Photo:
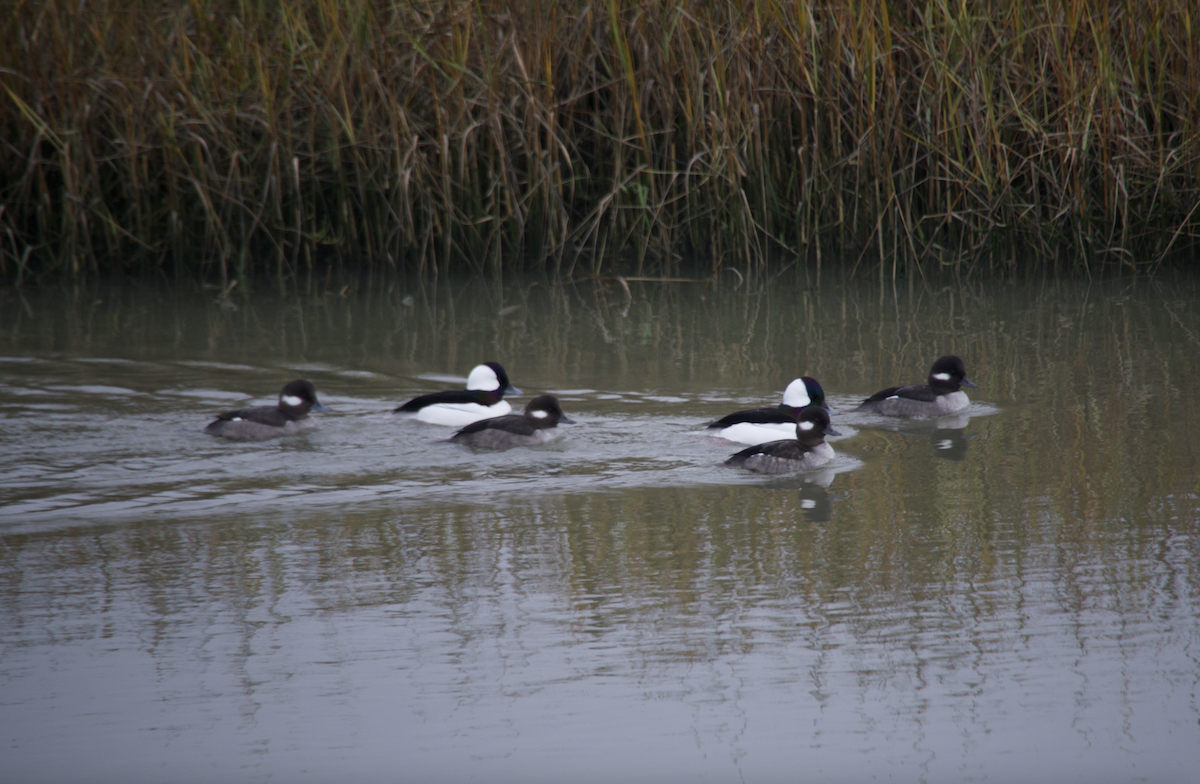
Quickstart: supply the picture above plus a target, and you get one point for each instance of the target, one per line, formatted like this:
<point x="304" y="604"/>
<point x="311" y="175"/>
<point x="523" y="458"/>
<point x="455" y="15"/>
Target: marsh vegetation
<point x="226" y="137"/>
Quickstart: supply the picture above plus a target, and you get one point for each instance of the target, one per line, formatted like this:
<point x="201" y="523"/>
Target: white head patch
<point x="805" y="425"/>
<point x="539" y="414"/>
<point x="796" y="394"/>
<point x="483" y="378"/>
<point x="292" y="400"/>
<point x="942" y="376"/>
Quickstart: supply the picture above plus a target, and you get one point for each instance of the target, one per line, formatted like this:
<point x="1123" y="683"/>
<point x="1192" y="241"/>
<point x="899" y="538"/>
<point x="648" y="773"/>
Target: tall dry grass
<point x="224" y="137"/>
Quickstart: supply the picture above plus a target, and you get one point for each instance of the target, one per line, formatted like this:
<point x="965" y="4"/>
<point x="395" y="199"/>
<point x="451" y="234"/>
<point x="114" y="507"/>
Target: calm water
<point x="1012" y="595"/>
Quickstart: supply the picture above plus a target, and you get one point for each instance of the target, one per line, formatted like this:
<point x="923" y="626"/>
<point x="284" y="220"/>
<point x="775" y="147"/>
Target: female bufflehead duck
<point x="943" y="395"/>
<point x="807" y="450"/>
<point x="761" y="425"/>
<point x="262" y="422"/>
<point x="538" y="425"/>
<point x="483" y="398"/>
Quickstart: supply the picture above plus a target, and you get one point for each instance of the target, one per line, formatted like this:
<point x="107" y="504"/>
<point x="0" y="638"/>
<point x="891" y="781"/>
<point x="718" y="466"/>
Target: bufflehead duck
<point x="943" y="395"/>
<point x="259" y="423"/>
<point x="761" y="425"/>
<point x="807" y="450"/>
<point x="482" y="399"/>
<point x="538" y="425"/>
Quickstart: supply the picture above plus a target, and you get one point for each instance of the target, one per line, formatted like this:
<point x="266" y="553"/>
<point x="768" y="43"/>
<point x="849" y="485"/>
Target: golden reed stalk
<point x="235" y="136"/>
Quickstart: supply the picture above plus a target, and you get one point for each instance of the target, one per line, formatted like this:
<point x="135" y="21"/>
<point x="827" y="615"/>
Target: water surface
<point x="1008" y="595"/>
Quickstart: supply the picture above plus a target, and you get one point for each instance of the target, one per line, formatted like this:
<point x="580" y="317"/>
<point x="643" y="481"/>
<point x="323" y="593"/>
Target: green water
<point x="1007" y="595"/>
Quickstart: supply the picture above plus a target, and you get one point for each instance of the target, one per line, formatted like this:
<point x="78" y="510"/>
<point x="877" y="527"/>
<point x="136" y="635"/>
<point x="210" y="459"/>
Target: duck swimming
<point x="942" y="395"/>
<point x="259" y="423"/>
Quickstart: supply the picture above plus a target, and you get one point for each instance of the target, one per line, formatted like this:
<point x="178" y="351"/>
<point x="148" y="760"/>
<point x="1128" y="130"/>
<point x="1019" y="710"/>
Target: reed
<point x="220" y="138"/>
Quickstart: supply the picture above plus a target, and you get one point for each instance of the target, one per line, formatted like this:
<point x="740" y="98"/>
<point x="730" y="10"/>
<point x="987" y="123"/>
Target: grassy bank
<point x="229" y="137"/>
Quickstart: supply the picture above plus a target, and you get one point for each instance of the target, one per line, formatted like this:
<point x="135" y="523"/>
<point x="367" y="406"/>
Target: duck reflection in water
<point x="949" y="437"/>
<point x="816" y="505"/>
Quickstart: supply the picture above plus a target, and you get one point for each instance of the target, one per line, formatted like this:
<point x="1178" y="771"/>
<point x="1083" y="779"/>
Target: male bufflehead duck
<point x="538" y="425"/>
<point x="761" y="425"/>
<point x="807" y="450"/>
<point x="482" y="399"/>
<point x="943" y="395"/>
<point x="259" y="423"/>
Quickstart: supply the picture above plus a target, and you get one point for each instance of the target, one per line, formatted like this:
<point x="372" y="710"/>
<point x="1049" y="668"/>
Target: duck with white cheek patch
<point x="538" y="425"/>
<point x="942" y="395"/>
<point x="260" y="423"/>
<point x="807" y="450"/>
<point x="761" y="425"/>
<point x="482" y="399"/>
